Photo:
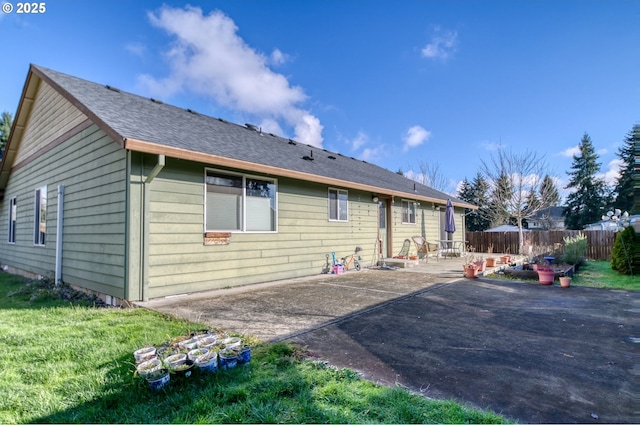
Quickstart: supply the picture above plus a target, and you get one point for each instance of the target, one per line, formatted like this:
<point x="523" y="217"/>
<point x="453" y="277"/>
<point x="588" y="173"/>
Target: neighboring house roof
<point x="610" y="225"/>
<point x="505" y="228"/>
<point x="142" y="124"/>
<point x="553" y="213"/>
<point x="601" y="225"/>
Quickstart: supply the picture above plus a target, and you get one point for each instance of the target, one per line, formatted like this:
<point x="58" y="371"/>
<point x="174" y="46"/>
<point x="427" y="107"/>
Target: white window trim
<point x="244" y="203"/>
<point x="415" y="211"/>
<point x="338" y="191"/>
<point x="11" y="227"/>
<point x="37" y="207"/>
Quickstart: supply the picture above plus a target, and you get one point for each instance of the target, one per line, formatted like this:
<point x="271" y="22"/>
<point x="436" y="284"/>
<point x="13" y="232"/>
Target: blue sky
<point x="397" y="83"/>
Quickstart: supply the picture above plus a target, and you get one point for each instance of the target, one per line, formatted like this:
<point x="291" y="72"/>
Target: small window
<point x="408" y="212"/>
<point x="13" y="215"/>
<point x="239" y="203"/>
<point x="40" y="222"/>
<point x="338" y="205"/>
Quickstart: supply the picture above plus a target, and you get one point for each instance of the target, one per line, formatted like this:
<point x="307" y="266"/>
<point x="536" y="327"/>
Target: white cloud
<point x="416" y="136"/>
<point x="570" y="152"/>
<point x="136" y="48"/>
<point x="269" y="125"/>
<point x="613" y="173"/>
<point x="442" y="45"/>
<point x="491" y="146"/>
<point x="360" y="140"/>
<point x="209" y="58"/>
<point x="371" y="154"/>
<point x="278" y="57"/>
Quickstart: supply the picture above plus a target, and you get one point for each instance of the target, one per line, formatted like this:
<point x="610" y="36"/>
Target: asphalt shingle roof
<point x="135" y="117"/>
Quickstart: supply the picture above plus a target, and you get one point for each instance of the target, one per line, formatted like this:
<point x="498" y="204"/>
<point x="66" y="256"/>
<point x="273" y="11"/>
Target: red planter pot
<point x="546" y="276"/>
<point x="471" y="271"/>
<point x="482" y="265"/>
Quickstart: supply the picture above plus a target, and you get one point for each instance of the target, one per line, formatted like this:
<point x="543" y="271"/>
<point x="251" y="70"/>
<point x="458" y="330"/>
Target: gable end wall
<point x="77" y="154"/>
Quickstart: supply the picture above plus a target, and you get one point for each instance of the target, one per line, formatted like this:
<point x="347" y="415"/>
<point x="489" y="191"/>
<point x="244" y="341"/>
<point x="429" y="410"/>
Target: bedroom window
<point x="40" y="222"/>
<point x="338" y="205"/>
<point x="13" y="215"/>
<point x="408" y="212"/>
<point x="239" y="203"/>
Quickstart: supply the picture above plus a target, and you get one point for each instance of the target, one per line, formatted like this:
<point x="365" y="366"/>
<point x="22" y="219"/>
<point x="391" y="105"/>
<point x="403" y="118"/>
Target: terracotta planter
<point x="470" y="270"/>
<point x="491" y="262"/>
<point x="565" y="281"/>
<point x="482" y="265"/>
<point x="505" y="259"/>
<point x="546" y="275"/>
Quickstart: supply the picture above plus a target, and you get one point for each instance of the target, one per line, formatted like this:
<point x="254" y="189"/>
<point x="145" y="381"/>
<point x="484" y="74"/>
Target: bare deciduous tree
<point x="516" y="179"/>
<point x="431" y="175"/>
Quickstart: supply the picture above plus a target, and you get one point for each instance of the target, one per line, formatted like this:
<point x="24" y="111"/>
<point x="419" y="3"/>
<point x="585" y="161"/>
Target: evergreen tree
<point x="588" y="197"/>
<point x="5" y="129"/>
<point x="476" y="193"/>
<point x="549" y="191"/>
<point x="624" y="190"/>
<point x="501" y="197"/>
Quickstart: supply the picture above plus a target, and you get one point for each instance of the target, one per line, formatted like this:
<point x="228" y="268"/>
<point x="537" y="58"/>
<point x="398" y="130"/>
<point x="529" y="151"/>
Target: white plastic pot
<point x="144" y="354"/>
<point x="148" y="366"/>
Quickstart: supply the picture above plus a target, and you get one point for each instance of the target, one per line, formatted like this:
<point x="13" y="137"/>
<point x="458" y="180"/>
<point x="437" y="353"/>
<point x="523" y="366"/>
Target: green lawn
<point x="73" y="363"/>
<point x="598" y="274"/>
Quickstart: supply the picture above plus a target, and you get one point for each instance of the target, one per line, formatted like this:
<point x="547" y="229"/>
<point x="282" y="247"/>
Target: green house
<point x="132" y="198"/>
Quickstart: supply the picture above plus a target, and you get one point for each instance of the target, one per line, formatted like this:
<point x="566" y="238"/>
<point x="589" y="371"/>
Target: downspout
<point x="58" y="272"/>
<point x="159" y="166"/>
<point x="145" y="244"/>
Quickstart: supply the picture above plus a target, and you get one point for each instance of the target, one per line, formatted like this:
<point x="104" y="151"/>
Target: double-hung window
<point x="13" y="217"/>
<point x="40" y="222"/>
<point x="408" y="212"/>
<point x="239" y="203"/>
<point x="338" y="205"/>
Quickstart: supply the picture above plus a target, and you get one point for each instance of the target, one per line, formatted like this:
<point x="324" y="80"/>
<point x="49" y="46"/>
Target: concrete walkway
<point x="533" y="353"/>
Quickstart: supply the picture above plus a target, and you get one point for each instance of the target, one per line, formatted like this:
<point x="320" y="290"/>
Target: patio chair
<point x="425" y="248"/>
<point x="404" y="251"/>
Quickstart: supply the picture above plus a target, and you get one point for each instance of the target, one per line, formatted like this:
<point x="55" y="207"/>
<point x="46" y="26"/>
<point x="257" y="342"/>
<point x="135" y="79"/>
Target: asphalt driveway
<point x="536" y="354"/>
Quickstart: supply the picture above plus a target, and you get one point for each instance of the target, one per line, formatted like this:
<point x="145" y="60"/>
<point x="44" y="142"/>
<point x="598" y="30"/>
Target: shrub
<point x="575" y="248"/>
<point x="623" y="254"/>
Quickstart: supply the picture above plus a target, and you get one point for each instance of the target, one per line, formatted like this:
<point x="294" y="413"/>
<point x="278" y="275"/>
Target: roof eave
<point x="156" y="149"/>
<point x="17" y="128"/>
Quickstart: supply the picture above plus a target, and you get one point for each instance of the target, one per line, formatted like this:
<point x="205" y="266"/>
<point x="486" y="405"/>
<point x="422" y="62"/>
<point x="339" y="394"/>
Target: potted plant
<point x="470" y="268"/>
<point x="158" y="378"/>
<point x="491" y="261"/>
<point x="228" y="358"/>
<point x="244" y="356"/>
<point x="481" y="263"/>
<point x="565" y="281"/>
<point x="546" y="275"/>
<point x="208" y="362"/>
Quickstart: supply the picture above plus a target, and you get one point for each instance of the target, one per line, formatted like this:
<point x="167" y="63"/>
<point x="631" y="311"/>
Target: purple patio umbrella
<point x="449" y="220"/>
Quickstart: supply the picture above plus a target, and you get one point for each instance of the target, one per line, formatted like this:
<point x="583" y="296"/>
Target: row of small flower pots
<point x="204" y="352"/>
<point x="546" y="275"/>
<point x="471" y="270"/>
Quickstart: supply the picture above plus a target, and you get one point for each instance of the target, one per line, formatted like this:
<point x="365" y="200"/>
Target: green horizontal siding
<point x="91" y="166"/>
<point x="179" y="262"/>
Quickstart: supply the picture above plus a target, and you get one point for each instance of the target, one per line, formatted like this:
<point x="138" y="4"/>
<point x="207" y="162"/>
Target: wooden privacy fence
<point x="600" y="242"/>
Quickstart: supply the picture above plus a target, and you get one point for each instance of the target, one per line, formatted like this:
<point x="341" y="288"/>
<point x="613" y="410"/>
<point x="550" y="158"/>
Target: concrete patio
<point x="534" y="353"/>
